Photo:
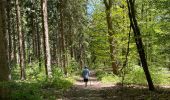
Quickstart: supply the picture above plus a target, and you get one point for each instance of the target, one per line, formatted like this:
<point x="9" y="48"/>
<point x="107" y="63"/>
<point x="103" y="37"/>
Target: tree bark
<point x="8" y="10"/>
<point x="4" y="68"/>
<point x="47" y="55"/>
<point x="62" y="38"/>
<point x="21" y="41"/>
<point x="33" y="30"/>
<point x="108" y="5"/>
<point x="38" y="43"/>
<point x="139" y="42"/>
<point x="14" y="60"/>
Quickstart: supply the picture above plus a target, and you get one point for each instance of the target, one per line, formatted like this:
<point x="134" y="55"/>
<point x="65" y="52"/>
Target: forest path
<point x="97" y="90"/>
<point x="93" y="83"/>
<point x="93" y="91"/>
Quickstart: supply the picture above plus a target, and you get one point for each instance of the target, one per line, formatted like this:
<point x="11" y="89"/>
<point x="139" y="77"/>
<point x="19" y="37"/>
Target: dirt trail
<point x="92" y="92"/>
<point x="99" y="91"/>
<point x="92" y="84"/>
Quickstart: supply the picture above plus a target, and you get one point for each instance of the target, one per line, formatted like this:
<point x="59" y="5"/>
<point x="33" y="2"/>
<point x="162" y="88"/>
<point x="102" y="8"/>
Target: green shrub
<point x="73" y="67"/>
<point x="100" y="74"/>
<point x="57" y="83"/>
<point x="160" y="76"/>
<point x="110" y="79"/>
<point x="135" y="76"/>
<point x="36" y="86"/>
<point x="107" y="77"/>
<point x="22" y="90"/>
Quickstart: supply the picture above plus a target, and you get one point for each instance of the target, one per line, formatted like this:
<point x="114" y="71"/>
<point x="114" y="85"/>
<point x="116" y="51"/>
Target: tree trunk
<point x="4" y="68"/>
<point x="108" y="5"/>
<point x="14" y="60"/>
<point x="38" y="42"/>
<point x="139" y="43"/>
<point x="33" y="30"/>
<point x="8" y="9"/>
<point x="47" y="56"/>
<point x="62" y="38"/>
<point x="57" y="48"/>
<point x="21" y="42"/>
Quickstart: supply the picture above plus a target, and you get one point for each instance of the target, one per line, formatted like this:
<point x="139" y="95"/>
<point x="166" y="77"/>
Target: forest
<point x="45" y="45"/>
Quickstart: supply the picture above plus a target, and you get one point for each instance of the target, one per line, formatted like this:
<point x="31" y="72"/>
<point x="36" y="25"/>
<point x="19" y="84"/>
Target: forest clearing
<point x="84" y="50"/>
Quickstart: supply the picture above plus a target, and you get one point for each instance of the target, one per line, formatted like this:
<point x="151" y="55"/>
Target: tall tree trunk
<point x="108" y="5"/>
<point x="62" y="37"/>
<point x="58" y="48"/>
<point x="47" y="55"/>
<point x="4" y="68"/>
<point x="139" y="42"/>
<point x="14" y="38"/>
<point x="70" y="37"/>
<point x="33" y="30"/>
<point x="21" y="42"/>
<point x="38" y="42"/>
<point x="8" y="9"/>
<point x="53" y="52"/>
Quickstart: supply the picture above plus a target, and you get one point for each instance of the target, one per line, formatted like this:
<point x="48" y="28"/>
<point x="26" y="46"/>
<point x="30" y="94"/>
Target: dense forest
<point x="45" y="45"/>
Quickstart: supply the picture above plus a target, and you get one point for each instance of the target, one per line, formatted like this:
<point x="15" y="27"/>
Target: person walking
<point x="85" y="74"/>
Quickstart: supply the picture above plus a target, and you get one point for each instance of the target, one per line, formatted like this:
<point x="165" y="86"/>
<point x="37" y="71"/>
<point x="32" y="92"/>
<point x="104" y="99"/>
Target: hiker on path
<point x="85" y="74"/>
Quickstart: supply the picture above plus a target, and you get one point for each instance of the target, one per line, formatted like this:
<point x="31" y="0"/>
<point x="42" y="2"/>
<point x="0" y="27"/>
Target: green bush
<point x="36" y="86"/>
<point x="57" y="83"/>
<point x="136" y="75"/>
<point x="100" y="74"/>
<point x="160" y="76"/>
<point x="107" y="77"/>
<point x="22" y="90"/>
<point x="73" y="67"/>
<point x="110" y="79"/>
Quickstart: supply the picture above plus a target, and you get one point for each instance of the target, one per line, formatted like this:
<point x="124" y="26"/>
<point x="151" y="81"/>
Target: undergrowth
<point x="136" y="76"/>
<point x="36" y="86"/>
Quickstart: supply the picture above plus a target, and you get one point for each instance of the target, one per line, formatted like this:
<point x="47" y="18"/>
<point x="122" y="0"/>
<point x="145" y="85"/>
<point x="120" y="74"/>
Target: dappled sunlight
<point x="84" y="50"/>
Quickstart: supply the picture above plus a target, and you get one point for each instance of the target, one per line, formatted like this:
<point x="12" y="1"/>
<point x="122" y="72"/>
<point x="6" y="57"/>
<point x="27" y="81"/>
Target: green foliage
<point x="110" y="79"/>
<point x="73" y="66"/>
<point x="100" y="74"/>
<point x="57" y="83"/>
<point x="37" y="86"/>
<point x="92" y="40"/>
<point x="135" y="75"/>
<point x="35" y="90"/>
<point x="107" y="77"/>
<point x="22" y="90"/>
<point x="160" y="76"/>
